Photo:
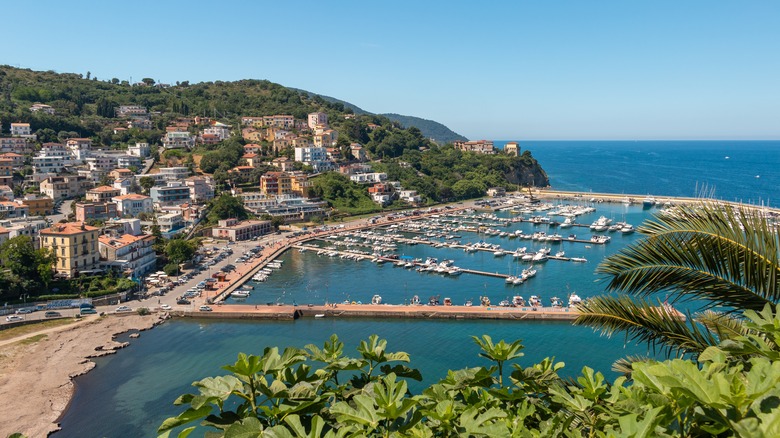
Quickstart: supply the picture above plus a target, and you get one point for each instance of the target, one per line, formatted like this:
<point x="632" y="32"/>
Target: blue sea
<point x="136" y="387"/>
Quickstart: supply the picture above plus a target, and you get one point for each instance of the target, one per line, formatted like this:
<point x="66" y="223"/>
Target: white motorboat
<point x="376" y="299"/>
<point x="578" y="259"/>
<point x="240" y="294"/>
<point x="627" y="229"/>
<point x="574" y="300"/>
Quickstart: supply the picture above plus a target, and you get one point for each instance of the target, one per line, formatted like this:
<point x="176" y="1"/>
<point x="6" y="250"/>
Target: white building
<point x="369" y="178"/>
<point x="128" y="254"/>
<point x="315" y="157"/>
<point x="132" y="204"/>
<point x="126" y="161"/>
<point x="21" y="130"/>
<point x="140" y="150"/>
<point x="178" y="140"/>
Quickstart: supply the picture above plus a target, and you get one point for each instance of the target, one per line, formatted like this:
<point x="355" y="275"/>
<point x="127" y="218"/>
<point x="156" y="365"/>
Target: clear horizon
<point x="611" y="70"/>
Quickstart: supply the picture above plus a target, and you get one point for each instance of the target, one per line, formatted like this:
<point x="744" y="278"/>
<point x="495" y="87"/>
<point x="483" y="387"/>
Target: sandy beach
<point x="36" y="377"/>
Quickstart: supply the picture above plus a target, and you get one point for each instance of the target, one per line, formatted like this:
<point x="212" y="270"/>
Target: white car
<point x="166" y="307"/>
<point x="13" y="318"/>
<point x="121" y="309"/>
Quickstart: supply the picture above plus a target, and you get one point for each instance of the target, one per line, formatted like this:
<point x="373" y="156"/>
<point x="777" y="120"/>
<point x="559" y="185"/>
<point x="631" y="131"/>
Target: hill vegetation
<point x="429" y="128"/>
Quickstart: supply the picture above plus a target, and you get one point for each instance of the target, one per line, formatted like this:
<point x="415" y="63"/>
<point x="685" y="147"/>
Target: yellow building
<point x="38" y="205"/>
<point x="75" y="245"/>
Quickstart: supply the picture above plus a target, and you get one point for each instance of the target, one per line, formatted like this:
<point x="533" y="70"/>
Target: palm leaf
<point x="725" y="256"/>
<point x="625" y="365"/>
<point x="644" y="322"/>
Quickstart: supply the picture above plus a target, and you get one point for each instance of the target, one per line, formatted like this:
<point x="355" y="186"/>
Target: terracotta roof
<point x="68" y="228"/>
<point x="123" y="240"/>
<point x="135" y="196"/>
<point x="104" y="189"/>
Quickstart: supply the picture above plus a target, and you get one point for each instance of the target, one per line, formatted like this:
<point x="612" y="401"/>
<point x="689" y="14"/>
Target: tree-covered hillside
<point x="430" y="129"/>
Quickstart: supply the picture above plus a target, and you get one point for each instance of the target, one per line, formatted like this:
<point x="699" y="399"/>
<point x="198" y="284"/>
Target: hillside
<point x="430" y="129"/>
<point x="440" y="133"/>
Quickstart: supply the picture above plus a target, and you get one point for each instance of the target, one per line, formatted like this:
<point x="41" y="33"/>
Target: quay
<point x="291" y="313"/>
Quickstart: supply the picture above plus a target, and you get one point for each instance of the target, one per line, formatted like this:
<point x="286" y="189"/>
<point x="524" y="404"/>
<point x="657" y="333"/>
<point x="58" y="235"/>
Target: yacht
<point x="376" y="299"/>
<point x="627" y="229"/>
<point x="240" y="294"/>
<point x="518" y="301"/>
<point x="574" y="300"/>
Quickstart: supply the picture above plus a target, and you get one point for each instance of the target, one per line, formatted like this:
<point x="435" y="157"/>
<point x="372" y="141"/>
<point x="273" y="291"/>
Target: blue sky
<point x="497" y="70"/>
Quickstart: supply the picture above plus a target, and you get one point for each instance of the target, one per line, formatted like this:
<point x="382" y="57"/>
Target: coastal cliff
<point x="528" y="172"/>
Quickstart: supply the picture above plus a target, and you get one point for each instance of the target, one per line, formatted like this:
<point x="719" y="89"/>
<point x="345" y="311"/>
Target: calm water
<point x="136" y="387"/>
<point x="671" y="168"/>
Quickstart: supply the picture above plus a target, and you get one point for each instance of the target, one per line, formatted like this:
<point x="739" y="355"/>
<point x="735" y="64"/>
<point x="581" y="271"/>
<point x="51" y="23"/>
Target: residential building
<point x="121" y="173"/>
<point x="6" y="193"/>
<point x="201" y="189"/>
<point x="284" y="183"/>
<point x="5" y="234"/>
<point x="279" y="121"/>
<point x="21" y="130"/>
<point x="170" y="223"/>
<point x="129" y="226"/>
<point x="124" y="184"/>
<point x="139" y="123"/>
<point x="290" y="207"/>
<point x="317" y="119"/>
<point x="14" y="144"/>
<point x="178" y="140"/>
<point x="102" y="194"/>
<point x="127" y="161"/>
<point x="252" y="121"/>
<point x="131" y="255"/>
<point x="512" y="148"/>
<point x="316" y="157"/>
<point x="496" y="191"/>
<point x="75" y="245"/>
<point x="280" y="144"/>
<point x="220" y="132"/>
<point x="302" y="142"/>
<point x="132" y="204"/>
<point x="38" y="205"/>
<point x="41" y="107"/>
<point x="101" y="163"/>
<point x="253" y="148"/>
<point x="66" y="186"/>
<point x="409" y="196"/>
<point x="17" y="160"/>
<point x="233" y="230"/>
<point x="252" y="134"/>
<point x="6" y="172"/>
<point x="140" y="150"/>
<point x="358" y="152"/>
<point x="50" y="164"/>
<point x="79" y="147"/>
<point x="101" y="211"/>
<point x="174" y="193"/>
<point x="284" y="164"/>
<point x="477" y="146"/>
<point x="174" y="173"/>
<point x="12" y="210"/>
<point x="326" y="138"/>
<point x="369" y="178"/>
<point x="24" y="227"/>
<point x="241" y="171"/>
<point x="251" y="159"/>
<point x="380" y="193"/>
<point x="130" y="110"/>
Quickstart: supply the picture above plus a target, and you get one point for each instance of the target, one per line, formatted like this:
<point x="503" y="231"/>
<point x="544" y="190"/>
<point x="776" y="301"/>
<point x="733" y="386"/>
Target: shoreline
<point x="49" y="390"/>
<point x="37" y="378"/>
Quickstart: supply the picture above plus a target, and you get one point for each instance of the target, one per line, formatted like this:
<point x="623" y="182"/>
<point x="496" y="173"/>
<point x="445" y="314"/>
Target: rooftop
<point x="68" y="228"/>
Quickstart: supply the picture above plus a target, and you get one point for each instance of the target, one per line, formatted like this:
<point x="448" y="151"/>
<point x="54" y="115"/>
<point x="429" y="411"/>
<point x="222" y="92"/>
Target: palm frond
<point x="724" y="326"/>
<point x="641" y="321"/>
<point x="625" y="365"/>
<point x="713" y="252"/>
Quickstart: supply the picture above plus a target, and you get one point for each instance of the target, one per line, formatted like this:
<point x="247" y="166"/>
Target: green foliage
<point x="180" y="250"/>
<point x="226" y="206"/>
<point x="26" y="270"/>
<point x="343" y="194"/>
<point x="143" y="311"/>
<point x="146" y="183"/>
<point x="733" y="390"/>
<point x="428" y="128"/>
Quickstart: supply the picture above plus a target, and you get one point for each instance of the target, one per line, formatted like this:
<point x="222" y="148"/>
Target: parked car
<point x="24" y="311"/>
<point x="121" y="309"/>
<point x="14" y="318"/>
<point x="166" y="307"/>
<point x="88" y="311"/>
<point x="52" y="314"/>
<point x="182" y="301"/>
<point x="204" y="309"/>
